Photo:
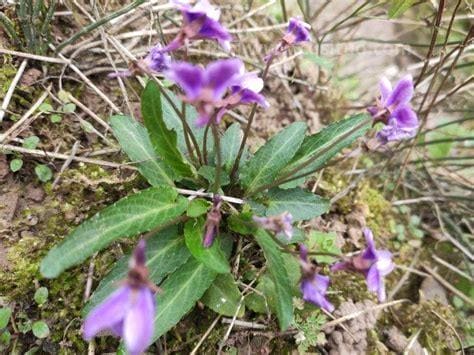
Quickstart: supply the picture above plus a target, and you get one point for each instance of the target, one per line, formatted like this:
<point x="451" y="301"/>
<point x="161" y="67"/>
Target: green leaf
<point x="223" y="296"/>
<point x="230" y="143"/>
<point x="181" y="290"/>
<point x="5" y="314"/>
<point x="55" y="118"/>
<point x="40" y="329"/>
<point x="209" y="173"/>
<point x="41" y="295"/>
<point x="242" y="223"/>
<point x="69" y="107"/>
<point x="443" y="149"/>
<point x="323" y="242"/>
<point x="5" y="338"/>
<point x="279" y="276"/>
<point x="213" y="257"/>
<point x="43" y="172"/>
<point x="322" y="146"/>
<point x="173" y="121"/>
<point x="197" y="207"/>
<point x="164" y="140"/>
<point x="45" y="107"/>
<point x="135" y="142"/>
<point x="31" y="142"/>
<point x="300" y="203"/>
<point x="319" y="61"/>
<point x="268" y="161"/>
<point x="16" y="165"/>
<point x="131" y="215"/>
<point x="165" y="252"/>
<point x="398" y="7"/>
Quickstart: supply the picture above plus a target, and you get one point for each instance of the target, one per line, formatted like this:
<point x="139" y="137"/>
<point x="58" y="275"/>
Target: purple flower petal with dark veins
<point x="157" y="60"/>
<point x="138" y="324"/>
<point x="128" y="312"/>
<point x="374" y="264"/>
<point x="299" y="29"/>
<point x="201" y="21"/>
<point x="313" y="285"/>
<point x="314" y="290"/>
<point x="402" y="93"/>
<point x="205" y="87"/>
<point x="394" y="110"/>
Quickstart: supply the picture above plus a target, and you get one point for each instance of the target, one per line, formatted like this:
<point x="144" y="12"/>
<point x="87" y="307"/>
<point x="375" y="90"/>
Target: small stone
<point x="35" y="193"/>
<point x="30" y="77"/>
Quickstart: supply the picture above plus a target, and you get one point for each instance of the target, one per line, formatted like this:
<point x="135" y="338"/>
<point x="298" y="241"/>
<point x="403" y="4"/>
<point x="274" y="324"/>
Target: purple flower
<point x="156" y="61"/>
<point x="313" y="285"/>
<point x="199" y="21"/>
<point x="393" y="109"/>
<point x="374" y="264"/>
<point x="205" y="87"/>
<point x="296" y="33"/>
<point x="211" y="228"/>
<point x="245" y="90"/>
<point x="280" y="224"/>
<point x="129" y="312"/>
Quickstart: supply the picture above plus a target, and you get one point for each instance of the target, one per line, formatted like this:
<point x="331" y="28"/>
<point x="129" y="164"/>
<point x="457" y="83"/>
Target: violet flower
<point x="156" y="61"/>
<point x="393" y="109"/>
<point x="205" y="87"/>
<point x="374" y="264"/>
<point x="296" y="33"/>
<point x="129" y="312"/>
<point x="200" y="21"/>
<point x="213" y="219"/>
<point x="280" y="224"/>
<point x="313" y="285"/>
<point x="245" y="90"/>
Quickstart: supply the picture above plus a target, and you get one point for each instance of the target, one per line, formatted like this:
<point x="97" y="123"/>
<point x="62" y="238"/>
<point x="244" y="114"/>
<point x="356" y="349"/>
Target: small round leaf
<point x="40" y="329"/>
<point x="43" y="172"/>
<point x="16" y="165"/>
<point x="41" y="295"/>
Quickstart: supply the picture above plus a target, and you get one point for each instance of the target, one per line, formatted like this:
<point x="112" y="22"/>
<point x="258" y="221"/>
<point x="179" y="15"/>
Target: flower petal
<point x="373" y="279"/>
<point x="343" y="265"/>
<point x="249" y="97"/>
<point x="384" y="262"/>
<point x="220" y="75"/>
<point x="405" y="116"/>
<point x="321" y="283"/>
<point x="385" y="88"/>
<point x="189" y="77"/>
<point x="402" y="93"/>
<point x="311" y="294"/>
<point x="139" y="321"/>
<point x="205" y="7"/>
<point x="370" y="253"/>
<point x="108" y="313"/>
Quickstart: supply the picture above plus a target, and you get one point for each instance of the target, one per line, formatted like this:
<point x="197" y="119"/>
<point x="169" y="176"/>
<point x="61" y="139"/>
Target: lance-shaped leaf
<point x="181" y="290"/>
<point x="279" y="276"/>
<point x="230" y="144"/>
<point x="165" y="252"/>
<point x="135" y="142"/>
<point x="318" y="148"/>
<point x="224" y="296"/>
<point x="268" y="161"/>
<point x="300" y="203"/>
<point x="164" y="140"/>
<point x="173" y="121"/>
<point x="398" y="7"/>
<point x="131" y="215"/>
<point x="213" y="257"/>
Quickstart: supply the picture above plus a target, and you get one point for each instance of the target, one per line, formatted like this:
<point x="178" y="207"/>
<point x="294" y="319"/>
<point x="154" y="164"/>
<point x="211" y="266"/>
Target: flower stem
<point x="217" y="143"/>
<point x="249" y="124"/>
<point x="204" y="144"/>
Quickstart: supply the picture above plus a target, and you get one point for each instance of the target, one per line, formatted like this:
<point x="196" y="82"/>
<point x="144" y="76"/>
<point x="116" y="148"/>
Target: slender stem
<point x="186" y="137"/>
<point x="217" y="144"/>
<point x="283" y="10"/>
<point x="204" y="143"/>
<point x="187" y="130"/>
<point x="249" y="124"/>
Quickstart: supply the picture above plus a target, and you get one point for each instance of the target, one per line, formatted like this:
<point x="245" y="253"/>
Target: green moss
<point x="380" y="216"/>
<point x="435" y="334"/>
<point x="7" y="73"/>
